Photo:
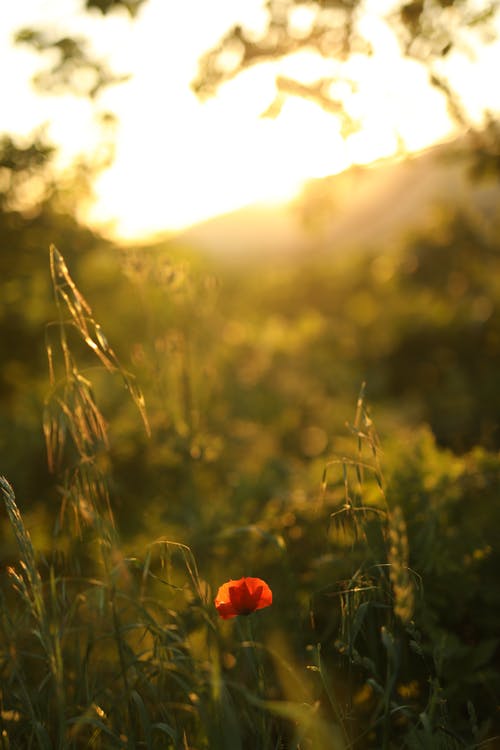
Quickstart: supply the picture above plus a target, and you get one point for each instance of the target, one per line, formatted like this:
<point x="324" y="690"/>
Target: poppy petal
<point x="226" y="611"/>
<point x="242" y="597"/>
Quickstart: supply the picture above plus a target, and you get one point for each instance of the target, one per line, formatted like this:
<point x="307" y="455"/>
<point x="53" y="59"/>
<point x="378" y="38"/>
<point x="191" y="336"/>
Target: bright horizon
<point x="180" y="161"/>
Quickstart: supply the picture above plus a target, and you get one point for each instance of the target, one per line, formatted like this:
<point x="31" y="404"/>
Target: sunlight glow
<point x="178" y="160"/>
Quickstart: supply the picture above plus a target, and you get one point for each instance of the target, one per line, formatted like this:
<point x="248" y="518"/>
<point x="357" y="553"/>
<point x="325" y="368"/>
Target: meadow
<point x="330" y="425"/>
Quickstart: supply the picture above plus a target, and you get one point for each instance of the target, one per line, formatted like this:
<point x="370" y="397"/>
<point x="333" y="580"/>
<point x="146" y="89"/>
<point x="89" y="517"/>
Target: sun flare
<point x="195" y="160"/>
<point x="178" y="160"/>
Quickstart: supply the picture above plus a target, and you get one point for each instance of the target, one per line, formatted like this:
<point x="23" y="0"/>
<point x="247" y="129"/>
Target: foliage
<point x="430" y="32"/>
<point x="384" y="627"/>
<point x="75" y="69"/>
<point x="381" y="558"/>
<point x="427" y="31"/>
<point x="34" y="210"/>
<point x="106" y="6"/>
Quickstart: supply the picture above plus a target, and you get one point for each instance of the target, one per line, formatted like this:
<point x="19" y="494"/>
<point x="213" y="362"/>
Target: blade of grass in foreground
<point x="31" y="578"/>
<point x="68" y="296"/>
<point x="29" y="585"/>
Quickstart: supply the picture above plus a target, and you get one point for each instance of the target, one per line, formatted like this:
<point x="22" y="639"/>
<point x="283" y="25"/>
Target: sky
<point x="178" y="160"/>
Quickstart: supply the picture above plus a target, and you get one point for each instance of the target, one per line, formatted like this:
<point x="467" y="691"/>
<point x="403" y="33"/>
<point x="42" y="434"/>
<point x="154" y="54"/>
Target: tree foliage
<point x="427" y="31"/>
<point x="76" y="70"/>
<point x="105" y="6"/>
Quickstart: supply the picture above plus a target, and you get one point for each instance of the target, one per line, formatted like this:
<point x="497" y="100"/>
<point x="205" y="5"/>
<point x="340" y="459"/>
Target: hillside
<point x="354" y="210"/>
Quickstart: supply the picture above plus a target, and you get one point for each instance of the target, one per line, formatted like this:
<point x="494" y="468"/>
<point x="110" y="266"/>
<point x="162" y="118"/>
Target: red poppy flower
<point x="242" y="597"/>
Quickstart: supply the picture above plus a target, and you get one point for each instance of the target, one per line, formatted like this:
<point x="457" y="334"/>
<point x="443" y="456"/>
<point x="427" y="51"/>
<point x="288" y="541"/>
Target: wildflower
<point x="242" y="597"/>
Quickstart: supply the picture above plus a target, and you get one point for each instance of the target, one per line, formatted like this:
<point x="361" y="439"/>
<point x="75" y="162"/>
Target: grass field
<point x="206" y="424"/>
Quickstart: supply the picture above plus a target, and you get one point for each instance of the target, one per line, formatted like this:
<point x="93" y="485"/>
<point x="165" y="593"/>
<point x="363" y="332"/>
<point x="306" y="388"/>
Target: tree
<point x="431" y="32"/>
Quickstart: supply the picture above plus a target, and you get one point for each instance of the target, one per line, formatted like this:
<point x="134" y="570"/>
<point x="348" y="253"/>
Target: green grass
<point x="383" y="631"/>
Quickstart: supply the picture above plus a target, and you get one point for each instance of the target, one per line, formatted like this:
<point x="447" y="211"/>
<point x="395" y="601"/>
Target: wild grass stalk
<point x="28" y="584"/>
<point x="107" y="649"/>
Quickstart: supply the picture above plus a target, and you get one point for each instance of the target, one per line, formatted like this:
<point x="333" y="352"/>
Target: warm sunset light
<point x="221" y="154"/>
<point x="249" y="326"/>
<point x="179" y="160"/>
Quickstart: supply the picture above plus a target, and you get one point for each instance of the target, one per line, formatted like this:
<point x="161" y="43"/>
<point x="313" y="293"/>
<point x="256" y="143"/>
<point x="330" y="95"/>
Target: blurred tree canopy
<point x="428" y="31"/>
<point x="75" y="69"/>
